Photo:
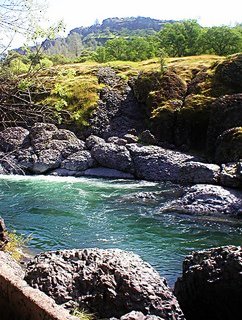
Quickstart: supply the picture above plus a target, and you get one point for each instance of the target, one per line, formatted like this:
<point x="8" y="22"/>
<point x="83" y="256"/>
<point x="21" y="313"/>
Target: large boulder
<point x="106" y="282"/>
<point x="13" y="138"/>
<point x="113" y="156"/>
<point x="205" y="199"/>
<point x="47" y="160"/>
<point x="211" y="284"/>
<point x="41" y="133"/>
<point x="156" y="163"/>
<point x="78" y="161"/>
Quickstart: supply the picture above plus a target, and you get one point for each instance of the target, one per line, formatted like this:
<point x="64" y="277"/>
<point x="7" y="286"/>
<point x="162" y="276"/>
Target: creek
<point x="64" y="213"/>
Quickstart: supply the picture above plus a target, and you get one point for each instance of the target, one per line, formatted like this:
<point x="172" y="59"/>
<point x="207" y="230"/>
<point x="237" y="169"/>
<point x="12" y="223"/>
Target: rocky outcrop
<point x="106" y="282"/>
<point x="207" y="200"/>
<point x="225" y="114"/>
<point x="211" y="284"/>
<point x="229" y="146"/>
<point x="118" y="109"/>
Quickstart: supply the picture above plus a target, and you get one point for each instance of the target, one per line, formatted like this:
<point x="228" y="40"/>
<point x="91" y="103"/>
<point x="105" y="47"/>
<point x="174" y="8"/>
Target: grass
<point x="82" y="314"/>
<point x="15" y="245"/>
<point x="75" y="88"/>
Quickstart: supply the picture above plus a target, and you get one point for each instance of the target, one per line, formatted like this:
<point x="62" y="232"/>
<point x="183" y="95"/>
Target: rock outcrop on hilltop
<point x="211" y="284"/>
<point x="109" y="283"/>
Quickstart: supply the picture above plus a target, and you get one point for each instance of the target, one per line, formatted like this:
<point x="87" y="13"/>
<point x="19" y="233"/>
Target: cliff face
<point x="193" y="108"/>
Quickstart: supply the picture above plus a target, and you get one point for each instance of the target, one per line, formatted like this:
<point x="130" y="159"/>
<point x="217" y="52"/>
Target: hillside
<point x="193" y="103"/>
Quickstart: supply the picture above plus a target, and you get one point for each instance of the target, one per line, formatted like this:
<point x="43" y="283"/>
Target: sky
<point x="76" y="13"/>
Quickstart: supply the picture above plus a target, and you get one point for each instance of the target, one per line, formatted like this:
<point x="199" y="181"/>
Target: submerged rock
<point x="109" y="283"/>
<point x="211" y="284"/>
<point x="207" y="200"/>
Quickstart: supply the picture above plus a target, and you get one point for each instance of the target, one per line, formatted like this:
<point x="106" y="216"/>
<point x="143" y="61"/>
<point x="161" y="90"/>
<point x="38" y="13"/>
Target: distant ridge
<point x="98" y="33"/>
<point x="119" y="24"/>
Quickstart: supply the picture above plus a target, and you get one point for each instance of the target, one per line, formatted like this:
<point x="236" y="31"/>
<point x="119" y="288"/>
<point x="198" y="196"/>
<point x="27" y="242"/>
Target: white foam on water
<point x="97" y="182"/>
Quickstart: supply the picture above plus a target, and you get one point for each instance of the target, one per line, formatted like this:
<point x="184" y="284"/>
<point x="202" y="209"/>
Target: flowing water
<point x="67" y="213"/>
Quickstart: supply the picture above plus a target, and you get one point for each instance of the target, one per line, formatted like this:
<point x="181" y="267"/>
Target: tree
<point x="222" y="40"/>
<point x="180" y="38"/>
<point x="18" y="17"/>
<point x="74" y="44"/>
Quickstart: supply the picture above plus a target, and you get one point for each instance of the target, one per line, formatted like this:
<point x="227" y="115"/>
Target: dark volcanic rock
<point x="211" y="284"/>
<point x="93" y="140"/>
<point x="42" y="133"/>
<point x="102" y="172"/>
<point x="113" y="156"/>
<point x="118" y="110"/>
<point x="46" y="160"/>
<point x="231" y="175"/>
<point x="13" y="138"/>
<point x="107" y="282"/>
<point x="156" y="163"/>
<point x="225" y="114"/>
<point x="229" y="146"/>
<point x="78" y="161"/>
<point x="207" y="200"/>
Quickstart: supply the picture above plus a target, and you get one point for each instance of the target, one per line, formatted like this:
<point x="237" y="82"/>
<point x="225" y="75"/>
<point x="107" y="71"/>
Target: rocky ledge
<point x="109" y="283"/>
<point x="45" y="149"/>
<point x="211" y="284"/>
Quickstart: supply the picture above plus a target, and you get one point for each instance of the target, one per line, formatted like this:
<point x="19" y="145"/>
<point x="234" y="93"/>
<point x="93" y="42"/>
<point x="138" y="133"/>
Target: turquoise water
<point x="63" y="213"/>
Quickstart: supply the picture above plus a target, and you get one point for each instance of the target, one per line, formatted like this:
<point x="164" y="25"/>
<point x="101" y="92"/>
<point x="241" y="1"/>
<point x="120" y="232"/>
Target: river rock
<point x="93" y="140"/>
<point x="156" y="163"/>
<point x="46" y="160"/>
<point x="113" y="156"/>
<point x="102" y="172"/>
<point x="41" y="133"/>
<point x="211" y="284"/>
<point x="78" y="161"/>
<point x="109" y="283"/>
<point x="13" y="138"/>
<point x="26" y="159"/>
<point x="207" y="200"/>
<point x="117" y="140"/>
